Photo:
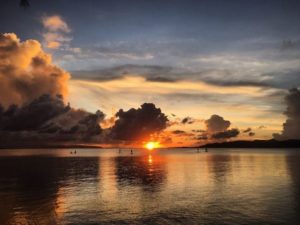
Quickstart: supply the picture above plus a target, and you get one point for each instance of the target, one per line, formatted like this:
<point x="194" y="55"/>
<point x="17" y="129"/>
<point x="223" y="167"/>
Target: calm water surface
<point x="178" y="186"/>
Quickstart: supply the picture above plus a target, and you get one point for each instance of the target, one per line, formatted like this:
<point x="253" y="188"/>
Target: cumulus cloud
<point x="251" y="134"/>
<point x="187" y="120"/>
<point x="56" y="32"/>
<point x="226" y="134"/>
<point x="291" y="127"/>
<point x="216" y="123"/>
<point x="138" y="124"/>
<point x="218" y="128"/>
<point x="27" y="72"/>
<point x="247" y="130"/>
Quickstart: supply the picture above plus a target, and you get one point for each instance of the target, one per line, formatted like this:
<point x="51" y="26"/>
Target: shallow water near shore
<point x="168" y="186"/>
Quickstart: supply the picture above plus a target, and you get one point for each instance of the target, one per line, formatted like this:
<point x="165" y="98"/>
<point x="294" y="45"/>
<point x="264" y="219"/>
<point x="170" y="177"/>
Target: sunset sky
<point x="218" y="70"/>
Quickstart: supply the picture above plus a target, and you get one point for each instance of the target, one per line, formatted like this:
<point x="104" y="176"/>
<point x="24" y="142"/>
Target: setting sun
<point x="151" y="145"/>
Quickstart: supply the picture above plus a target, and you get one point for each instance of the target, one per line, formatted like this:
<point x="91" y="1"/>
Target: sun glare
<point x="151" y="145"/>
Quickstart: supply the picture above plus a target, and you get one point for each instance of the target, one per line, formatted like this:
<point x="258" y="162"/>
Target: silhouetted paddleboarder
<point x="131" y="152"/>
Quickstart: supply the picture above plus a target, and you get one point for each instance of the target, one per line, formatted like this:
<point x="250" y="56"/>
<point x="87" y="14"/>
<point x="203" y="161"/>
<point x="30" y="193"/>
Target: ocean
<point x="166" y="186"/>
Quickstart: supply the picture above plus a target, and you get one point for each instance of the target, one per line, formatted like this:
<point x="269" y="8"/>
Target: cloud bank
<point x="46" y="119"/>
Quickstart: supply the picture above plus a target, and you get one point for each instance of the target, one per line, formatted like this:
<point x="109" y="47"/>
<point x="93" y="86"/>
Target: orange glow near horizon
<point x="151" y="145"/>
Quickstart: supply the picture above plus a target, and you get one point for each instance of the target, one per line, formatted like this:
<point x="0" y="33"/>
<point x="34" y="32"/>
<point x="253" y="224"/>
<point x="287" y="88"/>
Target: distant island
<point x="272" y="143"/>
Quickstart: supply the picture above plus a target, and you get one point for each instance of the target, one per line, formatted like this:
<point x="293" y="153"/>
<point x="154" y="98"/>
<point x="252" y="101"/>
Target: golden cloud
<point x="55" y="23"/>
<point x="26" y="71"/>
<point x="56" y="32"/>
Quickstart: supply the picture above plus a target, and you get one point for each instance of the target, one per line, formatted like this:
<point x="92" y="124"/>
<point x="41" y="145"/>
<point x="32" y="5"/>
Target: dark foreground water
<point x="166" y="187"/>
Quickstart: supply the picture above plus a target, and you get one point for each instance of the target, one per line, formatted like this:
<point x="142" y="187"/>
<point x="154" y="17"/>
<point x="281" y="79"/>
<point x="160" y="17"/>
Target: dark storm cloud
<point x="46" y="119"/>
<point x="291" y="127"/>
<point x="217" y="123"/>
<point x="138" y="124"/>
<point x="33" y="115"/>
<point x="226" y="134"/>
<point x="75" y="122"/>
